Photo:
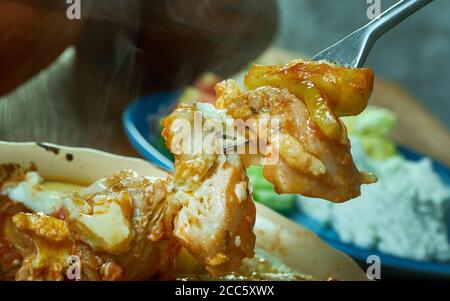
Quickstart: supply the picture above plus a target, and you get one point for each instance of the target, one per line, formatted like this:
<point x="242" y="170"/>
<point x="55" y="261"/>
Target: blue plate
<point x="398" y="264"/>
<point x="141" y="122"/>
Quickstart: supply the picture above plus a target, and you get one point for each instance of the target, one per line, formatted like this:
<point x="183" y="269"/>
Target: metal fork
<point x="353" y="50"/>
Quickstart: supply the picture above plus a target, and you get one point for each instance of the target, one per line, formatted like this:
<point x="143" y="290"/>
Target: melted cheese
<point x="106" y="230"/>
<point x="33" y="195"/>
<point x="104" y="224"/>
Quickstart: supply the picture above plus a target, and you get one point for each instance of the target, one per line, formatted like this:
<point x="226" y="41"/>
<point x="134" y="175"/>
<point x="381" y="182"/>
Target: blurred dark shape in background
<point x="32" y="35"/>
<point x="173" y="42"/>
<point x="124" y="48"/>
<point x="170" y="41"/>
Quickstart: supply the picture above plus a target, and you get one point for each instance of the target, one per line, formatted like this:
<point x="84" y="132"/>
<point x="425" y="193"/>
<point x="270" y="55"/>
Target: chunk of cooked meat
<point x="309" y="162"/>
<point x="328" y="91"/>
<point x="217" y="213"/>
<point x="50" y="236"/>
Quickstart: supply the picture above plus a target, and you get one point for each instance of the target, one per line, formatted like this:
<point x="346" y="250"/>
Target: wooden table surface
<point x="67" y="106"/>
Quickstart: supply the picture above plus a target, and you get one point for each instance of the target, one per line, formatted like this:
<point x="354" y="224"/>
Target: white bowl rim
<point x="292" y="243"/>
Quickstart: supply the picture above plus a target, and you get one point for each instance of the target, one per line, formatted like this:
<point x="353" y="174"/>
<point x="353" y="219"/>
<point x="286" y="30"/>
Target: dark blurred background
<point x="118" y="50"/>
<point x="415" y="54"/>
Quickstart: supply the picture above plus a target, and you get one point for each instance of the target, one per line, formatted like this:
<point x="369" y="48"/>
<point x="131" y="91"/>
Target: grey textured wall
<point x="415" y="54"/>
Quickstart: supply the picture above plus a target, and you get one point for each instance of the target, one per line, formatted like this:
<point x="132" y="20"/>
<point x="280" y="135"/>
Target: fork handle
<point x="393" y="16"/>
